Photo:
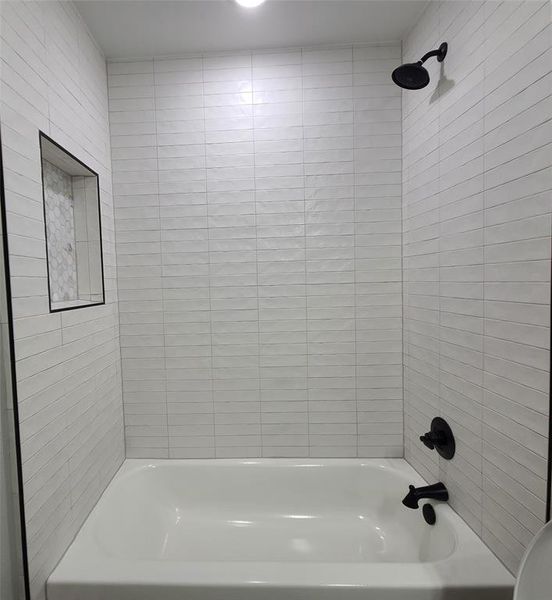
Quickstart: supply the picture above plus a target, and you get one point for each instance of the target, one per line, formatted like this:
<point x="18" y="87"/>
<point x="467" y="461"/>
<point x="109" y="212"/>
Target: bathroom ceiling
<point x="136" y="28"/>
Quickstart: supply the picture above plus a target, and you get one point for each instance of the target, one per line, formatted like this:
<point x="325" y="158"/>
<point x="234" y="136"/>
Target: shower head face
<point x="411" y="76"/>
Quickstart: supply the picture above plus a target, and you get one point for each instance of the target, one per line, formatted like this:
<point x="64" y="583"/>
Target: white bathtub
<point x="272" y="530"/>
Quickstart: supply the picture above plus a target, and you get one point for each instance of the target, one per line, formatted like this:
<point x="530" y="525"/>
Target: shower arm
<point x="440" y="53"/>
<point x="429" y="55"/>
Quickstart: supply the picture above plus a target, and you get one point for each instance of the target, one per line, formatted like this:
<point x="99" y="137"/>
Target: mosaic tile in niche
<point x="60" y="228"/>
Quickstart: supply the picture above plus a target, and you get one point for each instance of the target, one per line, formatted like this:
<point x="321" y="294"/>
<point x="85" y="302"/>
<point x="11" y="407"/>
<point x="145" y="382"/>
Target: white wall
<point x="53" y="78"/>
<point x="477" y="181"/>
<point x="258" y="241"/>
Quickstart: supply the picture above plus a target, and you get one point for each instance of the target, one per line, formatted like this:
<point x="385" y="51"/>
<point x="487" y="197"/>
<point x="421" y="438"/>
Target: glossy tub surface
<point x="274" y="529"/>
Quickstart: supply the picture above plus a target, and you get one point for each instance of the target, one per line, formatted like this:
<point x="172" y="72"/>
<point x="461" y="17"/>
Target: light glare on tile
<point x="250" y="3"/>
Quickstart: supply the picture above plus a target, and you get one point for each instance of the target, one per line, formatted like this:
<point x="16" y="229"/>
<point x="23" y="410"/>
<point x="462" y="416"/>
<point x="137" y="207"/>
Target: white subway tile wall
<point x="477" y="201"/>
<point x="258" y="218"/>
<point x="53" y="78"/>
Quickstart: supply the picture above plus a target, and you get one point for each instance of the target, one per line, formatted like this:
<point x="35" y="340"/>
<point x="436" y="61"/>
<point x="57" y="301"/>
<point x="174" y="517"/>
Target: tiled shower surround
<point x="477" y="198"/>
<point x="258" y="221"/>
<point x="258" y="225"/>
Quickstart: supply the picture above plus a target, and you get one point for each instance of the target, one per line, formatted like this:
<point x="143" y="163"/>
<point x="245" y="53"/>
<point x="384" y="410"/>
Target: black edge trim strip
<point x="19" y="463"/>
<point x="549" y="477"/>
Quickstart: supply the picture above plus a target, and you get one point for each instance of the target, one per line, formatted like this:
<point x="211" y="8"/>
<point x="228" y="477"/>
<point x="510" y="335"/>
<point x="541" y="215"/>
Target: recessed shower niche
<point x="73" y="229"/>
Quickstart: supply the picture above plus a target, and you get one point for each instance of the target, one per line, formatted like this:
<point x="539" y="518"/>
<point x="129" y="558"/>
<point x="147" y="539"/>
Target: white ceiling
<point x="138" y="28"/>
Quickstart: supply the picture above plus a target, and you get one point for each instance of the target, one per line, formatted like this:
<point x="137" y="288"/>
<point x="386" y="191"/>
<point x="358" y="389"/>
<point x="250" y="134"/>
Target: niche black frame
<point x="41" y="136"/>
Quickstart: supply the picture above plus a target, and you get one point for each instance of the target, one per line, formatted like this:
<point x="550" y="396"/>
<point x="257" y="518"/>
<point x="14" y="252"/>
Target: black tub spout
<point x="437" y="491"/>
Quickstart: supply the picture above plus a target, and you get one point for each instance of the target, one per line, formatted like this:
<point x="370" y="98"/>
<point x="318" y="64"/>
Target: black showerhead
<point x="414" y="76"/>
<point x="411" y="76"/>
